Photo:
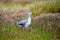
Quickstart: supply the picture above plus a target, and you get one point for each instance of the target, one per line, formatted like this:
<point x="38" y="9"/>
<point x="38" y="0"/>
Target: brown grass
<point x="6" y="18"/>
<point x="46" y="17"/>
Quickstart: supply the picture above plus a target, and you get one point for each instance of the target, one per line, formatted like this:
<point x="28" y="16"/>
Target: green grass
<point x="52" y="6"/>
<point x="10" y="32"/>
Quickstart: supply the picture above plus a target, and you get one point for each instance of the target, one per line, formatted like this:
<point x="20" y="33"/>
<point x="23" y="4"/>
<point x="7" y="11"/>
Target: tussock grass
<point x="37" y="8"/>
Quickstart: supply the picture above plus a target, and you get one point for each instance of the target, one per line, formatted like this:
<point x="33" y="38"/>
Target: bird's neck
<point x="29" y="18"/>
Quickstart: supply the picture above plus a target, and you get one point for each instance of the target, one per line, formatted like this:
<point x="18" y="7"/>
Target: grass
<point x="37" y="8"/>
<point x="10" y="32"/>
<point x="12" y="7"/>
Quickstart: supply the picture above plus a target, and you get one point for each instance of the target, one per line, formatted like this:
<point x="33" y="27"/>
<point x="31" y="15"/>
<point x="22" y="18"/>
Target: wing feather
<point x="21" y="22"/>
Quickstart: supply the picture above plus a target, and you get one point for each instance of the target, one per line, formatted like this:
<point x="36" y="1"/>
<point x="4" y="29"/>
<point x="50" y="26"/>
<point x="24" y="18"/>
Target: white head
<point x="30" y="13"/>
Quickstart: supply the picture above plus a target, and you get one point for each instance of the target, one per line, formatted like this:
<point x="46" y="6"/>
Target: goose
<point x="25" y="23"/>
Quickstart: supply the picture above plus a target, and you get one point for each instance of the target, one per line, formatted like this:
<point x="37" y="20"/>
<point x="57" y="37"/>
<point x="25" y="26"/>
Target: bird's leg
<point x="19" y="28"/>
<point x="23" y="28"/>
<point x="26" y="29"/>
<point x="29" y="29"/>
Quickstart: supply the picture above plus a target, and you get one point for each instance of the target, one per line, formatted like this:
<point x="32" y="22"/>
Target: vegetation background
<point x="45" y="19"/>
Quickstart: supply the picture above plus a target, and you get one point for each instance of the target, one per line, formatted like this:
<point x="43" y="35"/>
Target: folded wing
<point x="22" y="23"/>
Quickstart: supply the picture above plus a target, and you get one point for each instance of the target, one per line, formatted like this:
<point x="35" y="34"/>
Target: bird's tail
<point x="17" y="23"/>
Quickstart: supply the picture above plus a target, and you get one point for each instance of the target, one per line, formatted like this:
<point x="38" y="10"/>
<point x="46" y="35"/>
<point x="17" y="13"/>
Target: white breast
<point x="29" y="22"/>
